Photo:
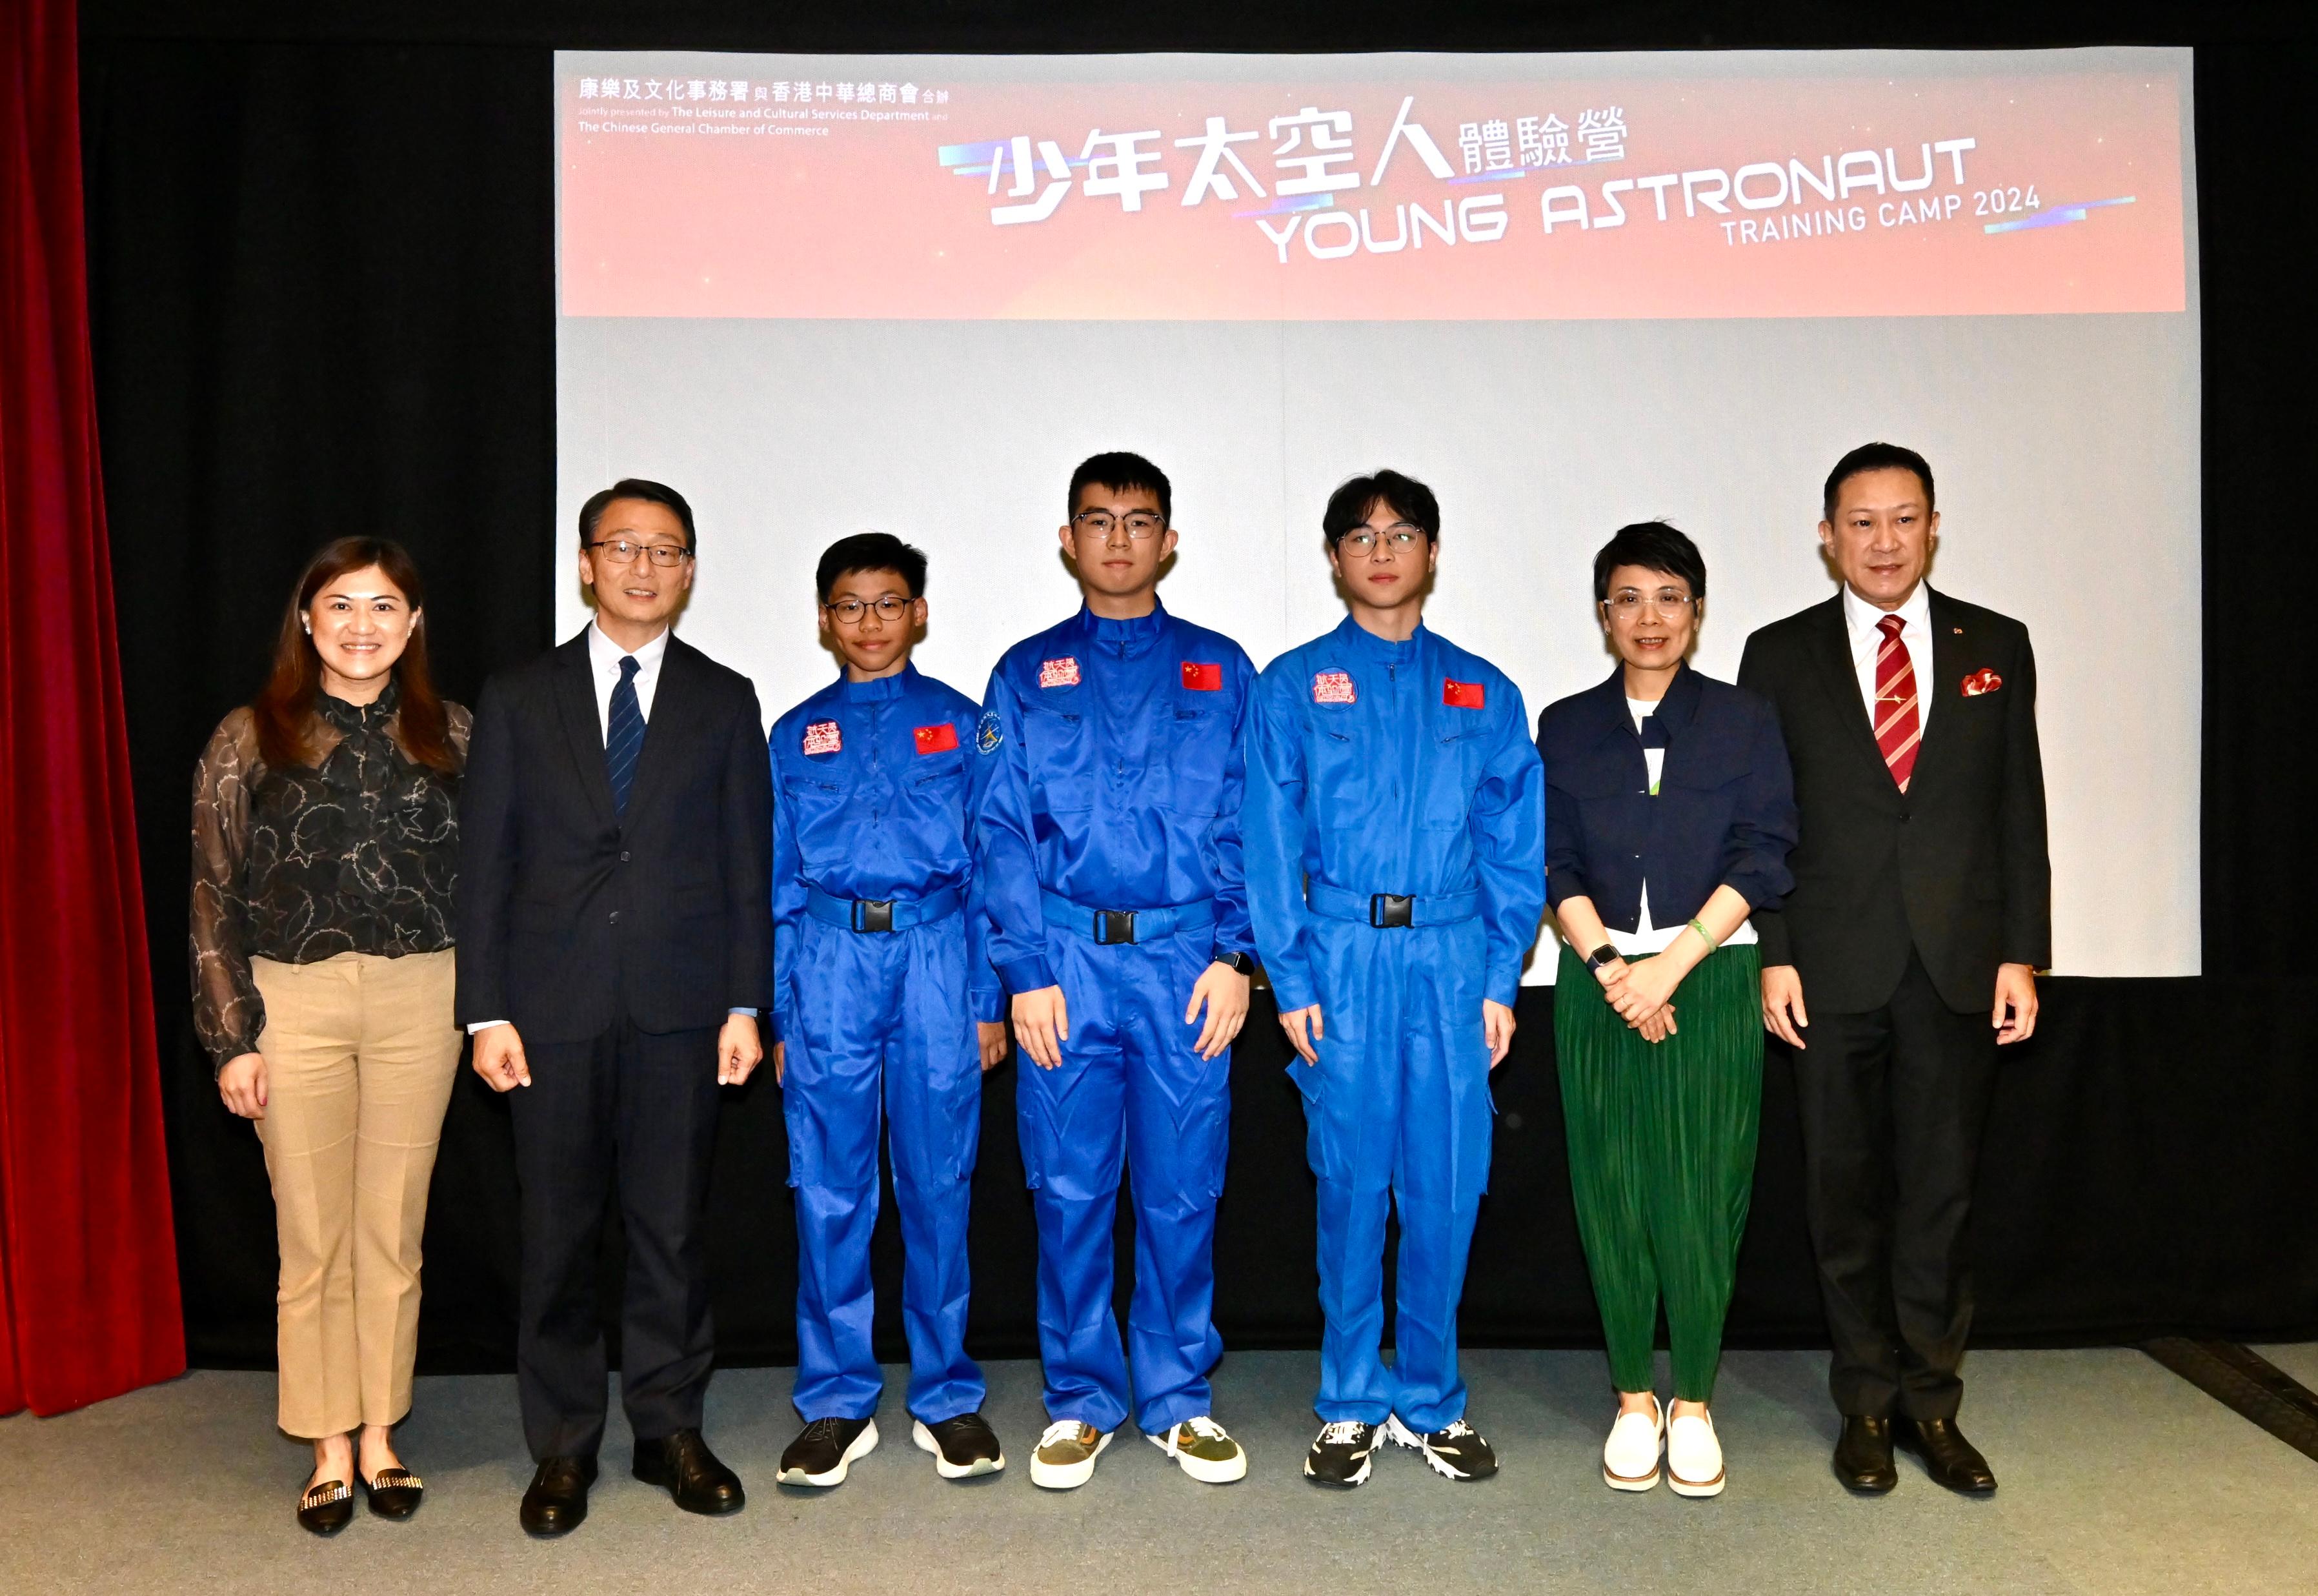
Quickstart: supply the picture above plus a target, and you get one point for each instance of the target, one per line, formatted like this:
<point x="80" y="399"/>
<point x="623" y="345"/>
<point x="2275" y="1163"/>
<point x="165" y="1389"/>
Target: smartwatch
<point x="1603" y="955"/>
<point x="1237" y="961"/>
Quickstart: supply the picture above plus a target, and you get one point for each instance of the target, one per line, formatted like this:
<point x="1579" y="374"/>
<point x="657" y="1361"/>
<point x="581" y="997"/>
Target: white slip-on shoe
<point x="1693" y="1461"/>
<point x="1065" y="1455"/>
<point x="1630" y="1457"/>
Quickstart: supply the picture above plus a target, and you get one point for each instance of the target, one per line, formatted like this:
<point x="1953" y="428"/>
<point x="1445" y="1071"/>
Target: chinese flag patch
<point x="938" y="738"/>
<point x="1059" y="673"/>
<point x="1458" y="694"/>
<point x="822" y="737"/>
<point x="1333" y="687"/>
<point x="1203" y="679"/>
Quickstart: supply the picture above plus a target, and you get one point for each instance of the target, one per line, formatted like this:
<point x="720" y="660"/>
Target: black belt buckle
<point x="1387" y="909"/>
<point x="873" y="914"/>
<point x="1114" y="926"/>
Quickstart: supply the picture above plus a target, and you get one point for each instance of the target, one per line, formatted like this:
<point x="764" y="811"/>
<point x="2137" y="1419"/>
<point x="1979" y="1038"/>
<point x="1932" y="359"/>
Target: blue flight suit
<point x="1407" y="769"/>
<point x="1116" y="770"/>
<point x="874" y="787"/>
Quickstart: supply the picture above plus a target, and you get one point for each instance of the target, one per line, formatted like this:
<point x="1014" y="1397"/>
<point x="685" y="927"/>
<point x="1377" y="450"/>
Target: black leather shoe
<point x="326" y="1507"/>
<point x="683" y="1466"/>
<point x="1863" y="1456"/>
<point x="394" y="1492"/>
<point x="1948" y="1459"/>
<point x="963" y="1447"/>
<point x="557" y="1501"/>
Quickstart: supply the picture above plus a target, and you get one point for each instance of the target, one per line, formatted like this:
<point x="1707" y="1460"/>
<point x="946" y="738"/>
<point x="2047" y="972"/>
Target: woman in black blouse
<point x="325" y="852"/>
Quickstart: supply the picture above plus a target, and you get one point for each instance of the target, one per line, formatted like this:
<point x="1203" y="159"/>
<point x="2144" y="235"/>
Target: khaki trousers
<point x="360" y="1056"/>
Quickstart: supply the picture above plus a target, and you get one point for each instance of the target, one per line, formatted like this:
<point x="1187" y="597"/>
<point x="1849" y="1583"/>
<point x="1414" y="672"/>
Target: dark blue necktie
<point x="623" y="738"/>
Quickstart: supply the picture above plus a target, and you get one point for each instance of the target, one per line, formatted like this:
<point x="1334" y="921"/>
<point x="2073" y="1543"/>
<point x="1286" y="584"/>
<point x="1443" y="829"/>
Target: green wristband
<point x="1703" y="937"/>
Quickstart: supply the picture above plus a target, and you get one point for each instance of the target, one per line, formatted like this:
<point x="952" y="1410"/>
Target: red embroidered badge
<point x="1334" y="686"/>
<point x="1983" y="680"/>
<point x="1458" y="694"/>
<point x="1059" y="673"/>
<point x="940" y="738"/>
<point x="822" y="737"/>
<point x="1203" y="679"/>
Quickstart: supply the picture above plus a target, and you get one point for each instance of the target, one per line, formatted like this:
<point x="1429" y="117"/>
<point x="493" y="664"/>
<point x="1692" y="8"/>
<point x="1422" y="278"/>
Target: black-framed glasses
<point x="1400" y="537"/>
<point x="623" y="551"/>
<point x="889" y="607"/>
<point x="1101" y="523"/>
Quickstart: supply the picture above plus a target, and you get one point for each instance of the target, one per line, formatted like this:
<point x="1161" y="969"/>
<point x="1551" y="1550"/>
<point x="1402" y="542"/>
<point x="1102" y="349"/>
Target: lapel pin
<point x="1957" y="630"/>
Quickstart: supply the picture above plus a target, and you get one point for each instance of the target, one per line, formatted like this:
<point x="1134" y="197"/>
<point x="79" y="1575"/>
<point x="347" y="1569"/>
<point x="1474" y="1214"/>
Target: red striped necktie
<point x="1898" y="729"/>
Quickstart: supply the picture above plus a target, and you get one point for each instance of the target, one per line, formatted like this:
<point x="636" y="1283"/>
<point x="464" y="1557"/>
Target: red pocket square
<point x="1983" y="680"/>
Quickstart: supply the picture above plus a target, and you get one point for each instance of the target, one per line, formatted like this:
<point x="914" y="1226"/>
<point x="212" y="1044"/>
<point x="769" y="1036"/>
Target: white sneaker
<point x="1630" y="1457"/>
<point x="1694" y="1457"/>
<point x="1202" y="1449"/>
<point x="1064" y="1459"/>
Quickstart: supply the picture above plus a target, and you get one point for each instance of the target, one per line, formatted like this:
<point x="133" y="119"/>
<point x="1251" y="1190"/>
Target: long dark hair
<point x="284" y="706"/>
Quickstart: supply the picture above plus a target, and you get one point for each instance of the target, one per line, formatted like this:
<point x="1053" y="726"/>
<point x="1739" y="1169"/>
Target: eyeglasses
<point x="1627" y="602"/>
<point x="849" y="611"/>
<point x="1139" y="524"/>
<point x="620" y="551"/>
<point x="1400" y="540"/>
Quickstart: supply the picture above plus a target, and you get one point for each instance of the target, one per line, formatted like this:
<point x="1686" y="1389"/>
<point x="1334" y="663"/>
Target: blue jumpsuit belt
<point x="1388" y="910"/>
<point x="889" y="914"/>
<point x="1108" y="926"/>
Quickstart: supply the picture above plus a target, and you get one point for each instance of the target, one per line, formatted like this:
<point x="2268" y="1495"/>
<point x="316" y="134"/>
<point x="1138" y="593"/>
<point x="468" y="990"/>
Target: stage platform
<point x="2117" y="1475"/>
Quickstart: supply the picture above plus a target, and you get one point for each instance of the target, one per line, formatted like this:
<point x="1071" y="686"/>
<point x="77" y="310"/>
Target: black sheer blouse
<point x="358" y="854"/>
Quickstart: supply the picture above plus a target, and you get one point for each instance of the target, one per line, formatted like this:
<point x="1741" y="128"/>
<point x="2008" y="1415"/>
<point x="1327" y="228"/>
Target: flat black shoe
<point x="1343" y="1453"/>
<point x="683" y="1466"/>
<point x="1863" y="1456"/>
<point x="825" y="1449"/>
<point x="1948" y="1459"/>
<point x="393" y="1493"/>
<point x="557" y="1501"/>
<point x="1457" y="1452"/>
<point x="963" y="1447"/>
<point x="326" y="1507"/>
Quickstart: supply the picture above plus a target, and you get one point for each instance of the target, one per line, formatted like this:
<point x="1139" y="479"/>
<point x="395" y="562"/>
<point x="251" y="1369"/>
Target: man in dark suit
<point x="1921" y="913"/>
<point x="615" y="948"/>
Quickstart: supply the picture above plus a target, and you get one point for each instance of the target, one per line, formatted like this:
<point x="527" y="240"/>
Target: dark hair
<point x="1654" y="546"/>
<point x="1876" y="457"/>
<point x="284" y="708"/>
<point x="1404" y="497"/>
<point x="1122" y="473"/>
<point x="651" y="493"/>
<point x="871" y="550"/>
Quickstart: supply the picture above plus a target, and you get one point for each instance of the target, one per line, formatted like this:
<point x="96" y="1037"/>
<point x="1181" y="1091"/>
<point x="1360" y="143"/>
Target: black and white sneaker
<point x="1456" y="1453"/>
<point x="963" y="1447"/>
<point x="1340" y="1456"/>
<point x="826" y="1450"/>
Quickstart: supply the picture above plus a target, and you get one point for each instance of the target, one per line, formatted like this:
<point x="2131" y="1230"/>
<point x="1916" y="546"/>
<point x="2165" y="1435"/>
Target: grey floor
<point x="2117" y="1477"/>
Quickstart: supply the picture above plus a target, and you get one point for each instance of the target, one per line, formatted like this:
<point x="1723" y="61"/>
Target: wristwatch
<point x="1603" y="955"/>
<point x="1237" y="961"/>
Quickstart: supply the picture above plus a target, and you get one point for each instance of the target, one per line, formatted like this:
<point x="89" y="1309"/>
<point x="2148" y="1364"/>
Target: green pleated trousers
<point x="1662" y="1159"/>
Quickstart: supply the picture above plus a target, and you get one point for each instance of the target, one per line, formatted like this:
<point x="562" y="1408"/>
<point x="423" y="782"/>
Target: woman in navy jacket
<point x="1669" y="812"/>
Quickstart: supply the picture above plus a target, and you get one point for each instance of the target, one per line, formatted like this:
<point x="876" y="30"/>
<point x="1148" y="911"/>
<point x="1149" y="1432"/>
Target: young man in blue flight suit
<point x="1396" y="862"/>
<point x="884" y="1006"/>
<point x="1109" y="853"/>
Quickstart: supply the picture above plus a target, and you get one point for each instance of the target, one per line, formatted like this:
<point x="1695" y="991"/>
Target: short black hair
<point x="1653" y="545"/>
<point x="651" y="493"/>
<point x="1122" y="473"/>
<point x="871" y="550"/>
<point x="1406" y="497"/>
<point x="1876" y="457"/>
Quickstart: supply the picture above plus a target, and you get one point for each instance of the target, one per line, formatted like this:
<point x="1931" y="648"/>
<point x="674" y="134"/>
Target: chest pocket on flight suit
<point x="1197" y="743"/>
<point x="1058" y="747"/>
<point x="1453" y="769"/>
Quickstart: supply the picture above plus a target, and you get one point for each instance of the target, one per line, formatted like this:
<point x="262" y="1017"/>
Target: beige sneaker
<point x="1204" y="1451"/>
<point x="1065" y="1457"/>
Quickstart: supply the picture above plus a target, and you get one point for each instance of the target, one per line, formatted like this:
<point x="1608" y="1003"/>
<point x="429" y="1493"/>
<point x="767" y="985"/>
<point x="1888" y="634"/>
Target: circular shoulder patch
<point x="986" y="735"/>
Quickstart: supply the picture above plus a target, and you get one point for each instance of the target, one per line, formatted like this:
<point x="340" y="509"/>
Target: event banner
<point x="1367" y="188"/>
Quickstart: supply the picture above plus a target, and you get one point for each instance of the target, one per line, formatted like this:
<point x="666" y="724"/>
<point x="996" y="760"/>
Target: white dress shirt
<point x="604" y="656"/>
<point x="1863" y="621"/>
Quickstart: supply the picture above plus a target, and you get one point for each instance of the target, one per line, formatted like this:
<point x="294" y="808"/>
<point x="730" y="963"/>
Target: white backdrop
<point x="2066" y="449"/>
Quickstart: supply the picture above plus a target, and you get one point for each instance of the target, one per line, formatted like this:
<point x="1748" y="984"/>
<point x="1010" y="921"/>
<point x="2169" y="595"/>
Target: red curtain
<point x="88" y="1269"/>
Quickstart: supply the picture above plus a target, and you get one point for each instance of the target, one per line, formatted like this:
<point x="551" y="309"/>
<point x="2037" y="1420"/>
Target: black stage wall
<point x="322" y="280"/>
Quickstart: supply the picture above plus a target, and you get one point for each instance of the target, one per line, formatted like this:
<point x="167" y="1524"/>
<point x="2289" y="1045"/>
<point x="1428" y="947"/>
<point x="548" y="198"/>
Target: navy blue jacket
<point x="1724" y="812"/>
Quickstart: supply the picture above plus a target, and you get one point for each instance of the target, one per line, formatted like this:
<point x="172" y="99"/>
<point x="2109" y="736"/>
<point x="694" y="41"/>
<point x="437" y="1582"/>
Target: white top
<point x="1645" y="938"/>
<point x="1863" y="619"/>
<point x="604" y="656"/>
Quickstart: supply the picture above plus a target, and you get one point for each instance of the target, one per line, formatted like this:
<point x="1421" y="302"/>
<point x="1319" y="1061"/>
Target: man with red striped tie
<point x="1921" y="911"/>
